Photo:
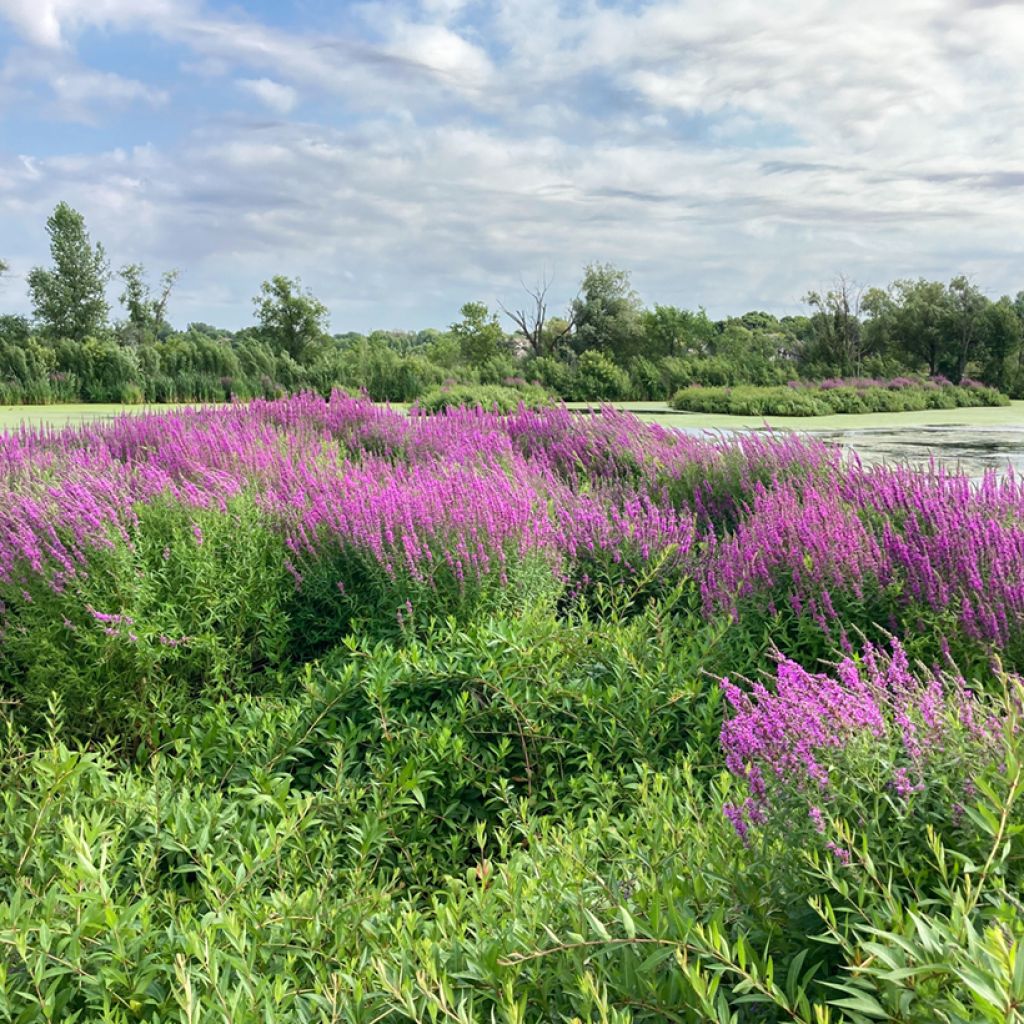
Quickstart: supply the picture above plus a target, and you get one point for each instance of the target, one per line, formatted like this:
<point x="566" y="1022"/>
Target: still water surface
<point x="973" y="449"/>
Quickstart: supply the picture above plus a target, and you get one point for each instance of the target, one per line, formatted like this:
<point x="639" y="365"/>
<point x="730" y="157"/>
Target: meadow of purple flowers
<point x="491" y="672"/>
<point x="774" y="523"/>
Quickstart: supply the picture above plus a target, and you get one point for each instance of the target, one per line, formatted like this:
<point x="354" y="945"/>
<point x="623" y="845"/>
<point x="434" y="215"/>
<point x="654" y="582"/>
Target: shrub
<point x="183" y="603"/>
<point x="508" y="787"/>
<point x="489" y="397"/>
<point x="834" y="396"/>
<point x="598" y="379"/>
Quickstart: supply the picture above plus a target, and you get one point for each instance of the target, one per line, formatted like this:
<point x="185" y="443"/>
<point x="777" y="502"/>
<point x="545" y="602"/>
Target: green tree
<point x="478" y="334"/>
<point x="445" y="351"/>
<point x="999" y="352"/>
<point x="669" y="331"/>
<point x="606" y="314"/>
<point x="146" y="312"/>
<point x="910" y="319"/>
<point x="290" y="319"/>
<point x="837" y="344"/>
<point x="69" y="299"/>
<point x="966" y="310"/>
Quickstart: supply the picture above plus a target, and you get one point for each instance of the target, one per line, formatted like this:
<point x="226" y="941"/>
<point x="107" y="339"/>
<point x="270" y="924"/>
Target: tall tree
<point x="966" y="309"/>
<point x="69" y="299"/>
<point x="669" y="331"/>
<point x="542" y="334"/>
<point x="291" y="319"/>
<point x="910" y="319"/>
<point x="607" y="313"/>
<point x="999" y="349"/>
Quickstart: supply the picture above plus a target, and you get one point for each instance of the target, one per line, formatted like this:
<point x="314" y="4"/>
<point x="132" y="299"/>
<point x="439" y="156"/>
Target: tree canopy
<point x="69" y="299"/>
<point x="291" y="319"/>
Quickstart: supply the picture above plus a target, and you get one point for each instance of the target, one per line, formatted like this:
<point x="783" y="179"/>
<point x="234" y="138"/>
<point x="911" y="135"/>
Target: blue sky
<point x="405" y="157"/>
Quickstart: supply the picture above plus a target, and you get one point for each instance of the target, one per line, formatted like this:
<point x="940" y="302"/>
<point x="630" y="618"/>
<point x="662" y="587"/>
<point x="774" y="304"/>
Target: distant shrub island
<point x="838" y="395"/>
<point x="501" y="398"/>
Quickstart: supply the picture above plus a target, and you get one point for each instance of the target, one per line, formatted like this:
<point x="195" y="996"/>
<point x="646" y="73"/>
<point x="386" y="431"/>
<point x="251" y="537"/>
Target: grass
<point x="14" y="416"/>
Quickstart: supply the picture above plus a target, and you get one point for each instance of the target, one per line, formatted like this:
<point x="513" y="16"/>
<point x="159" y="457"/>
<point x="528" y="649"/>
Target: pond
<point x="973" y="449"/>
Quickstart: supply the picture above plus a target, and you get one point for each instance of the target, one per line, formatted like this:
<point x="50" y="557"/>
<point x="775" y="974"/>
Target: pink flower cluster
<point x="791" y="736"/>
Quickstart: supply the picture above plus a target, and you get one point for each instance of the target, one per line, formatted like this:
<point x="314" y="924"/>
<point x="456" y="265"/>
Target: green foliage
<point x="69" y="300"/>
<point x="669" y="331"/>
<point x="553" y="374"/>
<point x="817" y="401"/>
<point x="490" y="397"/>
<point x="146" y="312"/>
<point x="750" y="401"/>
<point x="291" y="321"/>
<point x="508" y="807"/>
<point x="599" y="379"/>
<point x="606" y="314"/>
<point x="478" y="334"/>
<point x="190" y="604"/>
<point x="499" y="824"/>
<point x="606" y="348"/>
<point x="105" y="371"/>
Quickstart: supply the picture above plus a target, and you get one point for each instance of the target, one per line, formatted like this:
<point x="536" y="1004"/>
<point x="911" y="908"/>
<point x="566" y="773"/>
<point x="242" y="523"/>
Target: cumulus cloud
<point x="66" y="90"/>
<point x="443" y="51"/>
<point x="731" y="155"/>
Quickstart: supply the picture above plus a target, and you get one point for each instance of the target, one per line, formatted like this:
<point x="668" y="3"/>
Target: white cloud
<point x="273" y="95"/>
<point x="58" y="87"/>
<point x="82" y="86"/>
<point x="39" y="22"/>
<point x="441" y="50"/>
<point x="731" y="154"/>
<point x="49" y="22"/>
<point x="72" y="92"/>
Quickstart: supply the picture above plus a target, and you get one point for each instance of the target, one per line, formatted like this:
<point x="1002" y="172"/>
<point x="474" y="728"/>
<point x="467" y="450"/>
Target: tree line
<point x="605" y="345"/>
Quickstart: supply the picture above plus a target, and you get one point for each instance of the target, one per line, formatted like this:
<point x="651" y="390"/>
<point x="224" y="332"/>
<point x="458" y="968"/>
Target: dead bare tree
<point x="532" y="319"/>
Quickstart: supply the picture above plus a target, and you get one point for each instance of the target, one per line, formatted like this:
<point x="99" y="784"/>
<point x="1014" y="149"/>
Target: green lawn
<point x="1011" y="415"/>
<point x="12" y="416"/>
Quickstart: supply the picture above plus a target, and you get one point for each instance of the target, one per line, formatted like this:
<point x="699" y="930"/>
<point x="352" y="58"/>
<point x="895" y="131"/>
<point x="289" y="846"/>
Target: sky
<point x="402" y="158"/>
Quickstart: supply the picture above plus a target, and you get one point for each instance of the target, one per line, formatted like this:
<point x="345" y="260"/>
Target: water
<point x="972" y="449"/>
<point x="975" y="450"/>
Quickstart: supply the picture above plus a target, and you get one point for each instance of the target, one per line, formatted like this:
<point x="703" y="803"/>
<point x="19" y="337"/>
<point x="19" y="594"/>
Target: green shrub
<point x="489" y="397"/>
<point x="259" y="868"/>
<point x="194" y="605"/>
<point x="552" y="374"/>
<point x="822" y="400"/>
<point x="598" y="379"/>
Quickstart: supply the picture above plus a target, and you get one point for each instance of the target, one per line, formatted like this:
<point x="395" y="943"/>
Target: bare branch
<point x="531" y="320"/>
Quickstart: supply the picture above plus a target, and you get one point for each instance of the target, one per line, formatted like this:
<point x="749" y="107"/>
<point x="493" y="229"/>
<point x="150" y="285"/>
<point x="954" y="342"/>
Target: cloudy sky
<point x="403" y="157"/>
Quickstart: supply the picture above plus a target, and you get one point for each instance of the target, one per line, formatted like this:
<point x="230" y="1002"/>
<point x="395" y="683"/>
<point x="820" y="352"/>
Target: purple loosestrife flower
<point x="840" y="853"/>
<point x="775" y="520"/>
<point x="797" y="737"/>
